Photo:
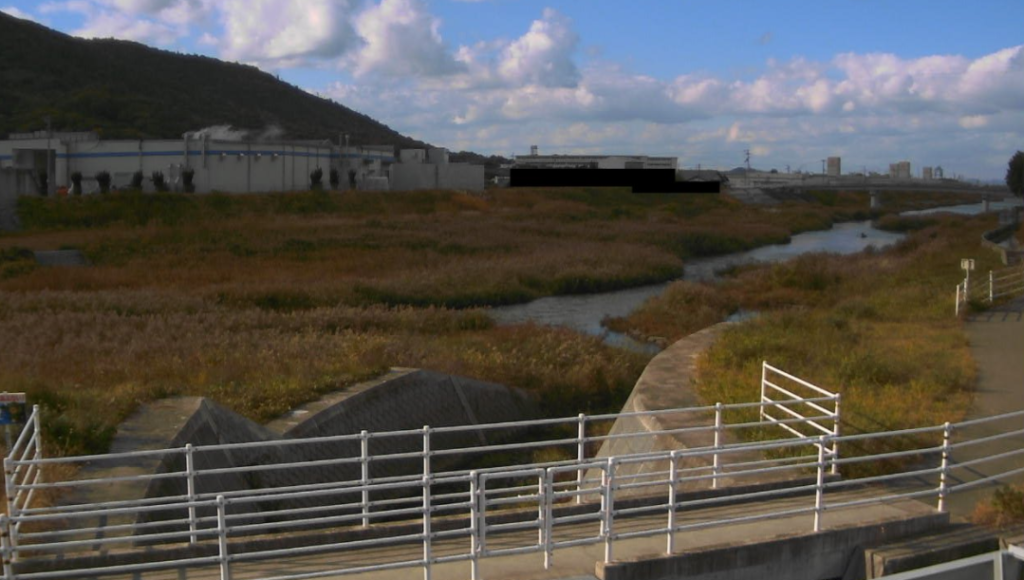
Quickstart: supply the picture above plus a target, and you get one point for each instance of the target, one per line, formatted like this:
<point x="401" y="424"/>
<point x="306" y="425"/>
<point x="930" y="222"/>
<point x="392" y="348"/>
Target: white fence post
<point x="9" y="487"/>
<point x="958" y="299"/>
<point x="190" y="482"/>
<point x="835" y="436"/>
<point x="364" y="474"/>
<point x="222" y="539"/>
<point x="716" y="466"/>
<point x="37" y="432"/>
<point x="819" y="488"/>
<point x="581" y="454"/>
<point x="608" y="499"/>
<point x="5" y="546"/>
<point x="991" y="289"/>
<point x="764" y="378"/>
<point x="947" y="433"/>
<point x="12" y="507"/>
<point x="427" y="555"/>
<point x="670" y="541"/>
<point x="548" y="512"/>
<point x="474" y="525"/>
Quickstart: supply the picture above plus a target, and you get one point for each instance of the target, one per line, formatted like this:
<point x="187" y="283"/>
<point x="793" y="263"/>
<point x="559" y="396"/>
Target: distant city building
<point x="900" y="170"/>
<point x="926" y="173"/>
<point x="834" y="166"/>
<point x="938" y="173"/>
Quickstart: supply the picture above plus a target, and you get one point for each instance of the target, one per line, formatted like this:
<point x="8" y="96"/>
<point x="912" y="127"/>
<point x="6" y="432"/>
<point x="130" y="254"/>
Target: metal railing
<point x="430" y="515"/>
<point x="1003" y="283"/>
<point x="779" y="395"/>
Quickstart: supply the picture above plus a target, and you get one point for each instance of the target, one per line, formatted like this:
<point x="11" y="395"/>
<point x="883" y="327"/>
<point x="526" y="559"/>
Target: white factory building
<point x="28" y="161"/>
<point x="595" y="161"/>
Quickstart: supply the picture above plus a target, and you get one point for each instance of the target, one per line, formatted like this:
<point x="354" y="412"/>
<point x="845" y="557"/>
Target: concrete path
<point x="996" y="338"/>
<point x="580" y="562"/>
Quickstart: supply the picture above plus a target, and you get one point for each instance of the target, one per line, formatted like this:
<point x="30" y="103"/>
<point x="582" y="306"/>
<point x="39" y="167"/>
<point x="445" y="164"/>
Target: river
<point x="584" y="313"/>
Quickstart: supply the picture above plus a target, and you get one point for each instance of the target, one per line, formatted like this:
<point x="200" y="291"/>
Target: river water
<point x="584" y="313"/>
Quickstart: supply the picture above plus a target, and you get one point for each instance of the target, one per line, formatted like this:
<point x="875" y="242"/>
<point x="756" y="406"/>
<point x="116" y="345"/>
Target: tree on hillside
<point x="1015" y="174"/>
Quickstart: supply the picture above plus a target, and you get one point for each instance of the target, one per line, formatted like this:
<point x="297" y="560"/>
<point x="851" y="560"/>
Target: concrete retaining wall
<point x="408" y="399"/>
<point x="827" y="554"/>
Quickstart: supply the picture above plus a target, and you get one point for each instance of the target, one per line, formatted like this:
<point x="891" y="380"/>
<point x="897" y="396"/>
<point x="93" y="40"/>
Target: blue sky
<point x="932" y="82"/>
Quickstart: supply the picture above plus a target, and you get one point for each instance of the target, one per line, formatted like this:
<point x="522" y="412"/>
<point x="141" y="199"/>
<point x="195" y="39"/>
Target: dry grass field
<point x="264" y="302"/>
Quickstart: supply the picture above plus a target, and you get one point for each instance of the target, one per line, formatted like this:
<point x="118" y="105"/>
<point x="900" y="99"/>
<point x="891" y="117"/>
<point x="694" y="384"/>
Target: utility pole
<point x="823" y="167"/>
<point x="746" y="152"/>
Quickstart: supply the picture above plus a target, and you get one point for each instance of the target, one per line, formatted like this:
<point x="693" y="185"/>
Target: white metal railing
<point x="436" y="518"/>
<point x="21" y="474"/>
<point x="1002" y="283"/>
<point x="431" y="516"/>
<point x="781" y="398"/>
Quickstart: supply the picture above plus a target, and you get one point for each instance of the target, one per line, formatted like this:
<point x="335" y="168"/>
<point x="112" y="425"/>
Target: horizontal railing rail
<point x="554" y="495"/>
<point x="779" y="397"/>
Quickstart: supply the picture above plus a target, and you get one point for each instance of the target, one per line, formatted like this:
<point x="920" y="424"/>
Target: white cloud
<point x="542" y="56"/>
<point x="281" y="33"/>
<point x="402" y="39"/>
<point x="119" y="25"/>
<point x="17" y="13"/>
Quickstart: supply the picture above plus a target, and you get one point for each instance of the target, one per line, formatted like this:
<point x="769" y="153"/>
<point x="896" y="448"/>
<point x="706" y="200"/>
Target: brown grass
<point x="265" y="302"/>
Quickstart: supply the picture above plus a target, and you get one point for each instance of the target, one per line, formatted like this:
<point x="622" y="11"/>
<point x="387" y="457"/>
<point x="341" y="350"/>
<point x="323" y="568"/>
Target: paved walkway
<point x="996" y="338"/>
<point x="578" y="563"/>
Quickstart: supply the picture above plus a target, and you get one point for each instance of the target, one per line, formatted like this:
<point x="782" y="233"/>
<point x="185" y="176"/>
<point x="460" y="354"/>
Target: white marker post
<point x="967" y="265"/>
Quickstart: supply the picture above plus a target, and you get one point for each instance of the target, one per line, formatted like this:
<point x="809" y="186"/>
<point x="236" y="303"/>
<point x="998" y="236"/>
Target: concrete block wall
<point x="408" y="400"/>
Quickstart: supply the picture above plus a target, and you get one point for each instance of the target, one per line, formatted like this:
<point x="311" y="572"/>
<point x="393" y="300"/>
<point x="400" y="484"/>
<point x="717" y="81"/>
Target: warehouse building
<point x="37" y="163"/>
<point x="535" y="160"/>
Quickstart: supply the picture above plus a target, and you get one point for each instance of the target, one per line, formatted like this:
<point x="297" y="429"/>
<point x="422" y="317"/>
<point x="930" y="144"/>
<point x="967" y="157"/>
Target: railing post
<point x="37" y="432"/>
<point x="716" y="466"/>
<point x="364" y="475"/>
<point x="5" y="547"/>
<point x="608" y="509"/>
<point x="427" y="555"/>
<point x="190" y="482"/>
<point x="958" y="299"/>
<point x="835" y="435"/>
<point x="947" y="434"/>
<point x="764" y="378"/>
<point x="10" y="487"/>
<point x="991" y="290"/>
<point x="547" y="514"/>
<point x="819" y="488"/>
<point x="670" y="543"/>
<point x="474" y="525"/>
<point x="222" y="539"/>
<point x="427" y="547"/>
<point x="581" y="454"/>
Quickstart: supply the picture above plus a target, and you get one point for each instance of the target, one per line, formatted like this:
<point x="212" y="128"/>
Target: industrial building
<point x="42" y="162"/>
<point x="535" y="160"/>
<point x="927" y="173"/>
<point x="834" y="167"/>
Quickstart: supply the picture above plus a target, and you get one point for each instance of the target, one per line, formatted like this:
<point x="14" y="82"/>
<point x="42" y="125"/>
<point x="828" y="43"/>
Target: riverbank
<point x="876" y="326"/>
<point x="266" y="302"/>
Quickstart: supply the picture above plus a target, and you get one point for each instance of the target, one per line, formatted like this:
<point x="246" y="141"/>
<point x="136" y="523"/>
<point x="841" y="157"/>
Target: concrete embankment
<point x="400" y="400"/>
<point x="668" y="383"/>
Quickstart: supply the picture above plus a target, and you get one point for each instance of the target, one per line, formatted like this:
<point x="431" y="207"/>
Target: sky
<point x="934" y="82"/>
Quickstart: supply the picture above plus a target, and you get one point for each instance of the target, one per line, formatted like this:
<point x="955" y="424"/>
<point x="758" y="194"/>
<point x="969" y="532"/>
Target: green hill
<point x="124" y="89"/>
